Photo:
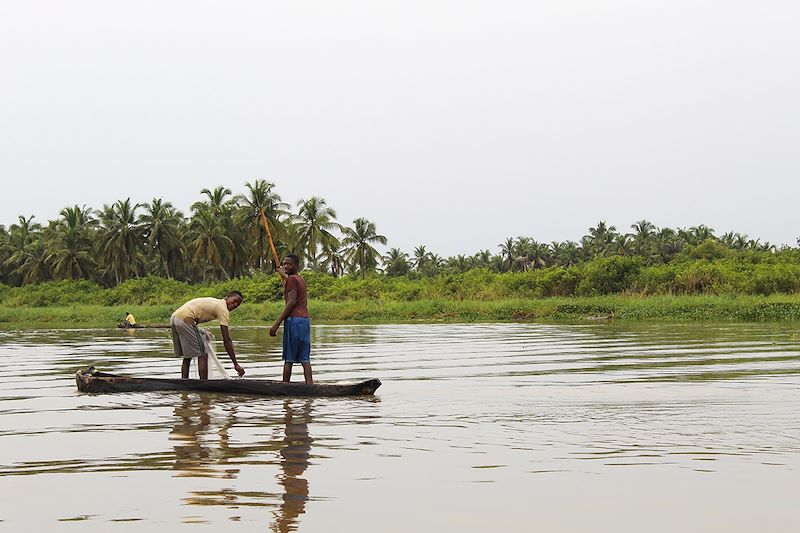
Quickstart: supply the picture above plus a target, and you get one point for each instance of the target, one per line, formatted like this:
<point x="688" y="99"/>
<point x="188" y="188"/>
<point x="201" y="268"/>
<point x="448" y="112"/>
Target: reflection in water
<point x="199" y="454"/>
<point x="294" y="461"/>
<point x="192" y="451"/>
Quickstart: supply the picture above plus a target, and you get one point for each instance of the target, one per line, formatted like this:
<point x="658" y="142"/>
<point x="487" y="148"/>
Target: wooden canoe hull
<point x="90" y="380"/>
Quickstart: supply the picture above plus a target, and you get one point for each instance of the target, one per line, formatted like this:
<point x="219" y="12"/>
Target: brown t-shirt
<point x="298" y="284"/>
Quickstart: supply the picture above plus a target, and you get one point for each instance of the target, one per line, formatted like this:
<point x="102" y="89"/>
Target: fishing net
<point x="215" y="368"/>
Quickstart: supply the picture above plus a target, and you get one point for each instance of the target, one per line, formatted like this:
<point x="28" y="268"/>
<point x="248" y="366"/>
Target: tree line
<point x="655" y="246"/>
<point x="223" y="238"/>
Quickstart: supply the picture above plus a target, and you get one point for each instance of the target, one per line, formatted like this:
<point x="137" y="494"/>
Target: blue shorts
<point x="297" y="340"/>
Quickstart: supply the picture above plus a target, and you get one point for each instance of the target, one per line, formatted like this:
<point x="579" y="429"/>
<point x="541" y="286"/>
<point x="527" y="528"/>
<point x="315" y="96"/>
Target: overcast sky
<point x="450" y="124"/>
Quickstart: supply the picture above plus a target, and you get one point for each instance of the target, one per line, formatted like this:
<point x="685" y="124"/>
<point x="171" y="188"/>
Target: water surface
<point x="486" y="427"/>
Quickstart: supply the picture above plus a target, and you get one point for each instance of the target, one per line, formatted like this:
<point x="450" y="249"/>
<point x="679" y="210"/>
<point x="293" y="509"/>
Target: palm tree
<point x="163" y="225"/>
<point x="701" y="233"/>
<point x="421" y="256"/>
<point x="529" y="253"/>
<point x="5" y="252"/>
<point x="431" y="265"/>
<point x="261" y="195"/>
<point x="728" y="239"/>
<point x="483" y="259"/>
<point x="757" y="246"/>
<point x="600" y="238"/>
<point x="209" y="247"/>
<point x="76" y="217"/>
<point x="69" y="244"/>
<point x="221" y="204"/>
<point x="644" y="232"/>
<point x="498" y="264"/>
<point x="507" y="250"/>
<point x="566" y="253"/>
<point x="316" y="220"/>
<point x="539" y="254"/>
<point x="557" y="251"/>
<point x="122" y="241"/>
<point x="35" y="268"/>
<point x="332" y="258"/>
<point x="670" y="243"/>
<point x="741" y="241"/>
<point x="358" y="241"/>
<point x="623" y="244"/>
<point x="695" y="235"/>
<point x="218" y="202"/>
<point x="22" y="248"/>
<point x="459" y="263"/>
<point x="70" y="256"/>
<point x="238" y="262"/>
<point x="395" y="263"/>
<point x="292" y="240"/>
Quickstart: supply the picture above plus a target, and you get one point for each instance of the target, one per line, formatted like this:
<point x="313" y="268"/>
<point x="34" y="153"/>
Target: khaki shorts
<point x="186" y="339"/>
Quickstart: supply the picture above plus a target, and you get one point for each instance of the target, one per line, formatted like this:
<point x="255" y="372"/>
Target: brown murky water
<point x="489" y="427"/>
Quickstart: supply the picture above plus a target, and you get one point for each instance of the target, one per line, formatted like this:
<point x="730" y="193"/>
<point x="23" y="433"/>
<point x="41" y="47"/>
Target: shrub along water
<point x="744" y="287"/>
<point x="604" y="276"/>
<point x="664" y="307"/>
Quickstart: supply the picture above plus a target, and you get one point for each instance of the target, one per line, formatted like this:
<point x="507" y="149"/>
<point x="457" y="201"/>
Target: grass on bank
<point x="618" y="307"/>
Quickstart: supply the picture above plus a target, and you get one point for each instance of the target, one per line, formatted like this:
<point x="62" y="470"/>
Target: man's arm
<point x="226" y="339"/>
<point x="291" y="301"/>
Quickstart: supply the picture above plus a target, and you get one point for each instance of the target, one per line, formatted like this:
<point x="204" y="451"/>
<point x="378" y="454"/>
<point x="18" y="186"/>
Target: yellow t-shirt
<point x="204" y="310"/>
<point x="130" y="319"/>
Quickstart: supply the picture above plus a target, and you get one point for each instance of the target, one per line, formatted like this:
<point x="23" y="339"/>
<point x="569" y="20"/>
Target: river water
<point x="480" y="427"/>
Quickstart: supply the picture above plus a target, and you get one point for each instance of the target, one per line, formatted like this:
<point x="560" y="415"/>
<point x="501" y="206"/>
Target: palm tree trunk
<point x="260" y="248"/>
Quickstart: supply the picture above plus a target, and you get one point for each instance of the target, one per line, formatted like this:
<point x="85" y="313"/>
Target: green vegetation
<point x="616" y="287"/>
<point x="223" y="239"/>
<point x="761" y="274"/>
<point x="90" y="266"/>
<point x="678" y="308"/>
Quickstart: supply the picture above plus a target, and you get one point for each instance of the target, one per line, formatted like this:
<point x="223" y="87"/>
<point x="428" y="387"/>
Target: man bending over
<point x="186" y="338"/>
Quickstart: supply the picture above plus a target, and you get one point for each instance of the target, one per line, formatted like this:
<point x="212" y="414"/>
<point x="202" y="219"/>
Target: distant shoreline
<point x="746" y="308"/>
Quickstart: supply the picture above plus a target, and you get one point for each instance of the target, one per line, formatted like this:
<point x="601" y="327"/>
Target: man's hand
<point x="239" y="369"/>
<point x="273" y="331"/>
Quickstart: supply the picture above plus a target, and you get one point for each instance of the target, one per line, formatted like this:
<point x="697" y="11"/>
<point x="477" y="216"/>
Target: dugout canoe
<point x="91" y="380"/>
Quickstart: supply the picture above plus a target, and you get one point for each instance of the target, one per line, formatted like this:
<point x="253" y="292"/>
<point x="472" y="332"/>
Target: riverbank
<point x="616" y="307"/>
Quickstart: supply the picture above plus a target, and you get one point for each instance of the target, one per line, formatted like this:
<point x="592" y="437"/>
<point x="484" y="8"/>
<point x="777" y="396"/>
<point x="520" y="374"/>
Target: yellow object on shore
<point x="129" y="319"/>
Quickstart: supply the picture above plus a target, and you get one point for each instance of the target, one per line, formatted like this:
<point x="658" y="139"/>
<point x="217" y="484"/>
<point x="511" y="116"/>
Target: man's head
<point x="290" y="264"/>
<point x="127" y="314"/>
<point x="233" y="300"/>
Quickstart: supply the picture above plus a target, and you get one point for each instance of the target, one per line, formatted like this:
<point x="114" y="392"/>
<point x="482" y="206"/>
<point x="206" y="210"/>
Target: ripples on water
<point x="477" y="427"/>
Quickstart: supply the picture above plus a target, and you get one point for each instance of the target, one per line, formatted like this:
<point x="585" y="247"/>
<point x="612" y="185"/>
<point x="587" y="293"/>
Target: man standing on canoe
<point x="186" y="338"/>
<point x="296" y="324"/>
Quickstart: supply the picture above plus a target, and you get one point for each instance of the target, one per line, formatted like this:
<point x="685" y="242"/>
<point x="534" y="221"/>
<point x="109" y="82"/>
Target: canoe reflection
<point x="202" y="448"/>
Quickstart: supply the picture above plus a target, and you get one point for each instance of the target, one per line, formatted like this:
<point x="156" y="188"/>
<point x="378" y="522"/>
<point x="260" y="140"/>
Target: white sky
<point x="450" y="124"/>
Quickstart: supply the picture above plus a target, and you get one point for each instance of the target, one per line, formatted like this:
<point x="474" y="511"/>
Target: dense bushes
<point x="53" y="293"/>
<point x="751" y="274"/>
<point x="149" y="290"/>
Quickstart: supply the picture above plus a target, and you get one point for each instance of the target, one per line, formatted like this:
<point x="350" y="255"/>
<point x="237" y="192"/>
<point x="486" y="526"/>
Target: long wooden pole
<point x="272" y="245"/>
